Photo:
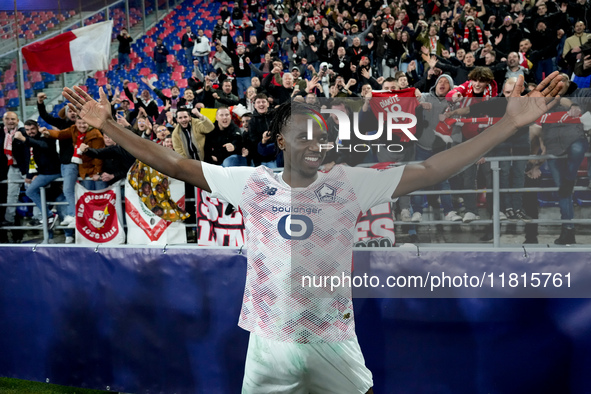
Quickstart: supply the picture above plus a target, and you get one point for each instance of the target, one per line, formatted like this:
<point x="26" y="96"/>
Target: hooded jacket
<point x="431" y="117"/>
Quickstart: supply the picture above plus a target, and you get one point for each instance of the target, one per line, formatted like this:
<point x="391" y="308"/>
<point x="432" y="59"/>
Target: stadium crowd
<point x="451" y="58"/>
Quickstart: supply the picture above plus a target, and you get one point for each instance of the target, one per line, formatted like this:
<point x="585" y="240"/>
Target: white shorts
<point x="283" y="367"/>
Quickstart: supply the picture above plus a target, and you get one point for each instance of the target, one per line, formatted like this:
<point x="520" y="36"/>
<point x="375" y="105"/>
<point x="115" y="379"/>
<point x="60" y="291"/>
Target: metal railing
<point x="496" y="192"/>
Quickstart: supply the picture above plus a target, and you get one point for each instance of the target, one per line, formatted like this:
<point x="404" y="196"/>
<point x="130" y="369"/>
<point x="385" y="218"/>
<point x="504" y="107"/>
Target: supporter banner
<point x="147" y="226"/>
<point x="98" y="216"/>
<point x="216" y="225"/>
<point x="376" y="227"/>
<point x="138" y="320"/>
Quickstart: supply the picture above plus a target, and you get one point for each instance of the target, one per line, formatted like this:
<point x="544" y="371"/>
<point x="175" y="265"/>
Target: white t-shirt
<point x="292" y="233"/>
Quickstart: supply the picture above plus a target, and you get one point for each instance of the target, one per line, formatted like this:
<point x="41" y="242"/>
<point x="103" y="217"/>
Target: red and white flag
<point x="81" y="49"/>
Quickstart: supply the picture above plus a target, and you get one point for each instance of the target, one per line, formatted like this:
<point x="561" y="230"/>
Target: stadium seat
<point x="175" y="76"/>
<point x="102" y="81"/>
<point x="13" y="103"/>
<point x="182" y="83"/>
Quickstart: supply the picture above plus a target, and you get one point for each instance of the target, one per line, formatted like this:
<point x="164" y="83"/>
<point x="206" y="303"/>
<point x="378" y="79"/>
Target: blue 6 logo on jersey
<point x="296" y="227"/>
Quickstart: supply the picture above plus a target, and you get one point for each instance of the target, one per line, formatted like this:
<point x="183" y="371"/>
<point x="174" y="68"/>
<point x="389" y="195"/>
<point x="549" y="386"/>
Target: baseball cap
<point x="295" y="68"/>
<point x="470" y="18"/>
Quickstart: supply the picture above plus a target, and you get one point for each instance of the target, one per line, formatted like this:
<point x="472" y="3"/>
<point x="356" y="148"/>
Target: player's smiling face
<point x="303" y="156"/>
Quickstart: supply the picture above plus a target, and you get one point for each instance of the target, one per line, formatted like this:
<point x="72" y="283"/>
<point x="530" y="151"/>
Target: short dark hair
<point x="31" y="122"/>
<point x="183" y="109"/>
<point x="260" y="96"/>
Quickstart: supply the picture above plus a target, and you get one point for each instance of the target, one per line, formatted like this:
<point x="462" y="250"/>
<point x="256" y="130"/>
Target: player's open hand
<point x="522" y="111"/>
<point x="92" y="112"/>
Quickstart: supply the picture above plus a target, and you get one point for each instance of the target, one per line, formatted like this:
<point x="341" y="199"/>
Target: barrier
<point x="165" y="320"/>
<point x="495" y="191"/>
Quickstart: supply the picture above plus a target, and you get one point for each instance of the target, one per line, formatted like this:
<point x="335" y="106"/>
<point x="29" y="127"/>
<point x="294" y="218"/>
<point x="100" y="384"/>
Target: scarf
<point x="32" y="164"/>
<point x="8" y="146"/>
<point x="444" y="129"/>
<point x="478" y="31"/>
<point x="77" y="156"/>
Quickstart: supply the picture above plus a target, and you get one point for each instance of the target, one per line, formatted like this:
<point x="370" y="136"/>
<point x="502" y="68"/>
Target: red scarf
<point x="77" y="156"/>
<point x="8" y="146"/>
<point x="478" y="30"/>
<point x="444" y="129"/>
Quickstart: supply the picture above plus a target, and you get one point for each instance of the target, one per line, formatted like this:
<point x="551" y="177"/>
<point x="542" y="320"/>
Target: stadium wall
<point x="141" y="320"/>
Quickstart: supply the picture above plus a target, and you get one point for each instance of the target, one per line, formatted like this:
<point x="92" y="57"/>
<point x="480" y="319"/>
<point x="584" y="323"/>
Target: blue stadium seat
<point x="39" y="85"/>
<point x="13" y="103"/>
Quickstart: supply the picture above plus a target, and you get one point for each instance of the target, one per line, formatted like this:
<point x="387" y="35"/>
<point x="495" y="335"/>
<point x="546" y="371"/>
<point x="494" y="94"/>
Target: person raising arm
<point x="520" y="111"/>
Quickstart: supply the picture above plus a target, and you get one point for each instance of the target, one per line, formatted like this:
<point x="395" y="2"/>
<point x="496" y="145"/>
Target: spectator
<point x="240" y="67"/>
<point x="201" y="51"/>
<point x="354" y="34"/>
<point x="507" y="37"/>
<point x="237" y="14"/>
<point x="173" y="100"/>
<point x="145" y="101"/>
<point x="221" y="61"/>
<point x="116" y="160"/>
<point x="434" y="104"/>
<point x="259" y="124"/>
<point x="188" y="43"/>
<point x="429" y="38"/>
<point x="481" y="86"/>
<point x="124" y="49"/>
<point x="223" y="146"/>
<point x="254" y="50"/>
<point x="188" y="137"/>
<point x="160" y="54"/>
<point x="280" y="93"/>
<point x="223" y="97"/>
<point x="43" y="166"/>
<point x="573" y="44"/>
<point x="558" y="140"/>
<point x="89" y="169"/>
<point x="16" y="156"/>
<point x="68" y="170"/>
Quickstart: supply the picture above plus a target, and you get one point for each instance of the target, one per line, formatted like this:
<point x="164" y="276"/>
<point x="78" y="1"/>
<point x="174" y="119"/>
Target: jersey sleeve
<point x="373" y="187"/>
<point x="227" y="183"/>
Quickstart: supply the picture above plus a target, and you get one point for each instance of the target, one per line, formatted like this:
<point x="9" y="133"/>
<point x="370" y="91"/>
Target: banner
<point x="83" y="49"/>
<point x="376" y="227"/>
<point x="98" y="216"/>
<point x="215" y="224"/>
<point x="147" y="226"/>
<point x="140" y="320"/>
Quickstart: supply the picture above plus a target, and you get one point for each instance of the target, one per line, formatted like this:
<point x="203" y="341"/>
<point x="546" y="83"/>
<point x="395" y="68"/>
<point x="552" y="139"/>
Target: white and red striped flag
<point x="81" y="49"/>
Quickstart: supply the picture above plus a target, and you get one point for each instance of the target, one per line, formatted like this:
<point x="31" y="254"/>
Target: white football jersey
<point x="300" y="232"/>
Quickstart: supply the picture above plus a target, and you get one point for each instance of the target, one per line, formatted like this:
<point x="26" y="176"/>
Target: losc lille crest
<point x="96" y="216"/>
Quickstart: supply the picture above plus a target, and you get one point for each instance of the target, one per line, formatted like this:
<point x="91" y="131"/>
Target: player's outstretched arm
<point x="98" y="115"/>
<point x="520" y="111"/>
